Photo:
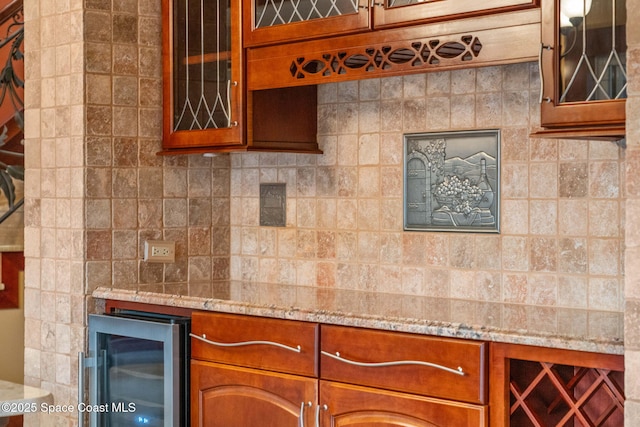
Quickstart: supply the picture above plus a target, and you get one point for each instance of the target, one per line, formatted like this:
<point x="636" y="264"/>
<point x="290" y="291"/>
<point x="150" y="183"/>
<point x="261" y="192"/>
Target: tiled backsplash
<point x="562" y="233"/>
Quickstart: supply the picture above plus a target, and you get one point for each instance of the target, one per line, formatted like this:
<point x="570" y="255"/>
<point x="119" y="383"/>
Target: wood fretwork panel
<point x="546" y="394"/>
<point x="407" y="55"/>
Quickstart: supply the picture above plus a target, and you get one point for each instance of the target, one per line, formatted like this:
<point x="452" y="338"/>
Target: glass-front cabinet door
<point x="583" y="64"/>
<point x="202" y="66"/>
<point x="278" y="21"/>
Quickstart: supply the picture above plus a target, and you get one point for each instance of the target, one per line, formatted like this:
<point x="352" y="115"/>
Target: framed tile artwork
<point x="452" y="181"/>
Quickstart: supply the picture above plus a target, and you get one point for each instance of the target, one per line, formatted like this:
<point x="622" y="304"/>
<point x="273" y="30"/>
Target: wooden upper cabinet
<point x="392" y="13"/>
<point x="206" y="105"/>
<point x="281" y="21"/>
<point x="583" y="67"/>
<point x="203" y="84"/>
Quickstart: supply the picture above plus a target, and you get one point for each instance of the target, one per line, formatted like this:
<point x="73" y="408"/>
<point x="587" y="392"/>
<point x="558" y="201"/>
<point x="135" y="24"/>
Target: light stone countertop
<point x="18" y="399"/>
<point x="564" y="328"/>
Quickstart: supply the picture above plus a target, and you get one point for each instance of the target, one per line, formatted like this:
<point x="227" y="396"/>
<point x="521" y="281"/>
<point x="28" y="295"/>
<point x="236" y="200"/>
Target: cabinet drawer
<point x="270" y="344"/>
<point x="438" y="367"/>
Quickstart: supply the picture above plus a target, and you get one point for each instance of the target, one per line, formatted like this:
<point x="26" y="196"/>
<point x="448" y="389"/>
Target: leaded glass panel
<point x="398" y="3"/>
<point x="202" y="64"/>
<point x="276" y="12"/>
<point x="592" y="50"/>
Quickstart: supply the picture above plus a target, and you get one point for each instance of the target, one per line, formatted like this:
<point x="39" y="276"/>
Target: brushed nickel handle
<point x="324" y="408"/>
<point x="231" y="123"/>
<point x="542" y="48"/>
<point x="302" y="406"/>
<point x="458" y="371"/>
<point x="203" y="338"/>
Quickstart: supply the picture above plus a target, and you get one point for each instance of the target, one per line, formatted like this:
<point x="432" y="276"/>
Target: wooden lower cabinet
<point x="249" y="371"/>
<point x="537" y="386"/>
<point x="343" y="405"/>
<point x="230" y="396"/>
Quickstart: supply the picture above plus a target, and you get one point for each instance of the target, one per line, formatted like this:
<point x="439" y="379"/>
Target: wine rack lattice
<point x="546" y="394"/>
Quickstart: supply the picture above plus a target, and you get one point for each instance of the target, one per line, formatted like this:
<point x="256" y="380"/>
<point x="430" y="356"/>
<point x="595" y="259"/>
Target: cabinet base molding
<point x="614" y="133"/>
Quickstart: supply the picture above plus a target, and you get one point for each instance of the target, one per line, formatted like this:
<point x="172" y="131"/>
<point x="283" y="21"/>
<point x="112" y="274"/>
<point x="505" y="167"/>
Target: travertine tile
<point x="463" y="81"/>
<point x="414" y="115"/>
<point x="571" y="215"/>
<point x="488" y="110"/>
<point x="514" y="180"/>
<point x="543" y="254"/>
<point x="543" y="180"/>
<point x="543" y="217"/>
<point x="414" y="86"/>
<point x="438" y="113"/>
<point x="572" y="257"/>
<point x="604" y="180"/>
<point x="515" y="217"/>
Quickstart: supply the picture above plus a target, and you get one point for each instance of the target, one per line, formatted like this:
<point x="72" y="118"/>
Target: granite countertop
<point x="564" y="328"/>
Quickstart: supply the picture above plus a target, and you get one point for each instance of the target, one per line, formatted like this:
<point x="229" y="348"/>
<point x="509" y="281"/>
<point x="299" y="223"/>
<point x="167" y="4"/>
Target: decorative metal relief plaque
<point x="452" y="181"/>
<point x="273" y="205"/>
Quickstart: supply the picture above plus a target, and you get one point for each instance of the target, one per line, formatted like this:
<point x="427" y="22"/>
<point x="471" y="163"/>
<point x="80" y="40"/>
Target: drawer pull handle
<point x="337" y="356"/>
<point x="296" y="349"/>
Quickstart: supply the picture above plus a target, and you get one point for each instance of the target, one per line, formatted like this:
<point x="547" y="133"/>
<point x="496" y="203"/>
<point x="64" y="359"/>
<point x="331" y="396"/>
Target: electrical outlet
<point x="159" y="251"/>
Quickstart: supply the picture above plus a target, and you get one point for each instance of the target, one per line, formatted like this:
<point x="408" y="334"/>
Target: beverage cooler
<point x="137" y="369"/>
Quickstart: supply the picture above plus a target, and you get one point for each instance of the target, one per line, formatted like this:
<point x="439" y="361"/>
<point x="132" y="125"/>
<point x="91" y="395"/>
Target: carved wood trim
<point x="392" y="56"/>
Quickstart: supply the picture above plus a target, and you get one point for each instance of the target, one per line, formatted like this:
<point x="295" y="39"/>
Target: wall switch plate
<point x="273" y="205"/>
<point x="159" y="251"/>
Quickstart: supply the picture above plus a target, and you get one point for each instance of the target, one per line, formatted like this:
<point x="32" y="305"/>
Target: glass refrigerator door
<point x="134" y="381"/>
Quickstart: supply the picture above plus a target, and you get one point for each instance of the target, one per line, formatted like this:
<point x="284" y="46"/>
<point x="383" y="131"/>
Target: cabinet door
<point x="343" y="405"/>
<point x="397" y="12"/>
<point x="202" y="70"/>
<point x="226" y="396"/>
<point x="280" y="21"/>
<point x="583" y="64"/>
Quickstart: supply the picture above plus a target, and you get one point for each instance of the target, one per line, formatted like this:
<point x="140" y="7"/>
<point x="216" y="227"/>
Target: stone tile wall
<point x="561" y="240"/>
<point x="95" y="187"/>
<point x="54" y="206"/>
